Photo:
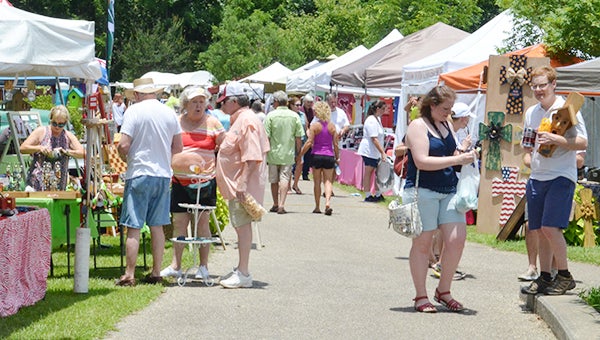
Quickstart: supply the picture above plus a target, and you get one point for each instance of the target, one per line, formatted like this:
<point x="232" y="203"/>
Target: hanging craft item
<point x="495" y="132"/>
<point x="588" y="211"/>
<point x="508" y="187"/>
<point x="562" y="120"/>
<point x="515" y="75"/>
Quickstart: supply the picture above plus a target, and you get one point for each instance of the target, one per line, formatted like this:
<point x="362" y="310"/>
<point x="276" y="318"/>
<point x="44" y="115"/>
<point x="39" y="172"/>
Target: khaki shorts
<point x="280" y="173"/>
<point x="237" y="214"/>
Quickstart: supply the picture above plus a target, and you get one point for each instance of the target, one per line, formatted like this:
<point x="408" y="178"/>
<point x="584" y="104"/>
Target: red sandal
<point x="426" y="307"/>
<point x="452" y="305"/>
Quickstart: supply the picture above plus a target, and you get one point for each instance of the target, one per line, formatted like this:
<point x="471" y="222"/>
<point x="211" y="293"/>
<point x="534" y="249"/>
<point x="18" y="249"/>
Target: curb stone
<point x="568" y="316"/>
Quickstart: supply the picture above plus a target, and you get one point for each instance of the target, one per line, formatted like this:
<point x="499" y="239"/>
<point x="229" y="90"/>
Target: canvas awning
<point x="387" y="71"/>
<point x="36" y="45"/>
<point x="468" y="79"/>
<point x="583" y="78"/>
<point x="422" y="75"/>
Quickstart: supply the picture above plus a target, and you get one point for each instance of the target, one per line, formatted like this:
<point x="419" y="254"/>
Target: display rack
<point x="194" y="241"/>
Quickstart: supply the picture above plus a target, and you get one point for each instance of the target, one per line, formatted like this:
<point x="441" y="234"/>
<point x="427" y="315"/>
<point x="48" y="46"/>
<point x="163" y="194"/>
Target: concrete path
<point x="344" y="276"/>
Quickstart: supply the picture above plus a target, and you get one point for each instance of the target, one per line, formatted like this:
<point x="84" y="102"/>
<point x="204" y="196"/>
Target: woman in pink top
<point x="201" y="135"/>
<point x="323" y="139"/>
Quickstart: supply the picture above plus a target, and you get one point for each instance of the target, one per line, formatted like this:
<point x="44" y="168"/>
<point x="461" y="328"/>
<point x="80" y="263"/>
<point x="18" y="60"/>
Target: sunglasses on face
<point x="60" y="125"/>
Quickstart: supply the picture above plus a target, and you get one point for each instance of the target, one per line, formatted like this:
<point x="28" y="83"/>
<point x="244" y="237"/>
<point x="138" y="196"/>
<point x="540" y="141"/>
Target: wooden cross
<point x="588" y="211"/>
<point x="515" y="75"/>
<point x="495" y="132"/>
<point x="508" y="187"/>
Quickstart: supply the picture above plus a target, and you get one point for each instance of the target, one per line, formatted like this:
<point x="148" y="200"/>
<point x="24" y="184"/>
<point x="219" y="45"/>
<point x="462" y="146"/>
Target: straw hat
<point x="145" y="85"/>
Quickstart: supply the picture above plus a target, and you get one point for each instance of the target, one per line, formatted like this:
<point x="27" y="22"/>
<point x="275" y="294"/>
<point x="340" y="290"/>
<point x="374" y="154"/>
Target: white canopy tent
<point x="273" y="77"/>
<point x="422" y="75"/>
<point x="35" y="45"/>
<point x="307" y="81"/>
<point x="181" y="80"/>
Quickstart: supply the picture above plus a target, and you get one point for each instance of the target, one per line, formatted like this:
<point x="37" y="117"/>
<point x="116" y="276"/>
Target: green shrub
<point x="592" y="297"/>
<point x="46" y="102"/>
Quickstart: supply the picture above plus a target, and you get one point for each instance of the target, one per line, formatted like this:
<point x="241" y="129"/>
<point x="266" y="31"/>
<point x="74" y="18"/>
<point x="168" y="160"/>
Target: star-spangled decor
<point x="495" y="132"/>
<point x="508" y="187"/>
<point x="515" y="75"/>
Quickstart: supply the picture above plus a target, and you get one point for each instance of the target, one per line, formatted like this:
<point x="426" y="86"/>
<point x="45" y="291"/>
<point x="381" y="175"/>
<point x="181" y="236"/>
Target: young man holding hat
<point x="150" y="136"/>
<point x="241" y="169"/>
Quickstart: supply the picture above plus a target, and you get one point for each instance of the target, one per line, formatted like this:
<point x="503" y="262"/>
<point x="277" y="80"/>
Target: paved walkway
<point x="344" y="276"/>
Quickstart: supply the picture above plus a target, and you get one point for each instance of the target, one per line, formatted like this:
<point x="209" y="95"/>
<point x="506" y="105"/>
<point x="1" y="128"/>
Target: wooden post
<point x="588" y="211"/>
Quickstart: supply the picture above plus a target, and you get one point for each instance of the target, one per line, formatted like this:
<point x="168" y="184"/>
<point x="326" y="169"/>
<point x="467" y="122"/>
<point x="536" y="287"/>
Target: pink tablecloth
<point x="353" y="170"/>
<point x="24" y="260"/>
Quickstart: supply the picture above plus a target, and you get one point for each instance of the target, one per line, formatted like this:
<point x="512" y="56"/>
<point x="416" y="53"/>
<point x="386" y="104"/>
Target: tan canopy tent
<point x="386" y="72"/>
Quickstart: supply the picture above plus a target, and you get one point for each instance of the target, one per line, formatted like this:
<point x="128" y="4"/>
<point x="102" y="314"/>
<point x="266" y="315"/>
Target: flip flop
<point x="123" y="282"/>
<point x="328" y="211"/>
<point x="297" y="190"/>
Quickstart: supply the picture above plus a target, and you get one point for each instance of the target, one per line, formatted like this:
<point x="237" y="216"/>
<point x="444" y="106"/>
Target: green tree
<point x="243" y="45"/>
<point x="569" y="26"/>
<point x="161" y="49"/>
<point x="409" y="16"/>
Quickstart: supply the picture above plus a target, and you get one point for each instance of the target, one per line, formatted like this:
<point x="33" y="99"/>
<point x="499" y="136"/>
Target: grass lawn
<point x="63" y="314"/>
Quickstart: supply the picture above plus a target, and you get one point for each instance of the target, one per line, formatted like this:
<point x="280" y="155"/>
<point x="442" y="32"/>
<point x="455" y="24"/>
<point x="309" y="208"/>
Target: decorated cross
<point x="588" y="211"/>
<point x="515" y="75"/>
<point x="508" y="187"/>
<point x="495" y="132"/>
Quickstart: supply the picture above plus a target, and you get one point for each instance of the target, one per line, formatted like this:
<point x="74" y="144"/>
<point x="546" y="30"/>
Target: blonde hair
<point x="59" y="111"/>
<point x="322" y="111"/>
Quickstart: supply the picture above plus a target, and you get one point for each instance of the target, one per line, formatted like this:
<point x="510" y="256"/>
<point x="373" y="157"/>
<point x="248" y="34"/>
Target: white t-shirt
<point x="339" y="119"/>
<point x="118" y="112"/>
<point x="371" y="128"/>
<point x="151" y="126"/>
<point x="562" y="162"/>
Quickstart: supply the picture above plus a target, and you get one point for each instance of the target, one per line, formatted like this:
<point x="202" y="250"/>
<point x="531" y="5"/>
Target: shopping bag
<point x="468" y="188"/>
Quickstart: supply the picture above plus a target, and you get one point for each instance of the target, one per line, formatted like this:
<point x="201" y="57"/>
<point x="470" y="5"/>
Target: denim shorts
<point x="435" y="208"/>
<point x="372" y="162"/>
<point x="146" y="199"/>
<point x="549" y="202"/>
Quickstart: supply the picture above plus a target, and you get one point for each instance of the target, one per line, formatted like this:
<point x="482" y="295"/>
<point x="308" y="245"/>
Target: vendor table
<point x="351" y="165"/>
<point x="24" y="259"/>
<point x="64" y="215"/>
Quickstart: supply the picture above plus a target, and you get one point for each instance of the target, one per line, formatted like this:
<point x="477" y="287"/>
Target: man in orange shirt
<point x="241" y="171"/>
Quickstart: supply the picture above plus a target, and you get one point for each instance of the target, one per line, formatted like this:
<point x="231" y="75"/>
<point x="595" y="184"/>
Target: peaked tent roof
<point x="423" y="74"/>
<point x="468" y="78"/>
<point x="269" y="75"/>
<point x="582" y="77"/>
<point x="387" y="70"/>
<point x="353" y="74"/>
<point x="307" y="81"/>
<point x="36" y="45"/>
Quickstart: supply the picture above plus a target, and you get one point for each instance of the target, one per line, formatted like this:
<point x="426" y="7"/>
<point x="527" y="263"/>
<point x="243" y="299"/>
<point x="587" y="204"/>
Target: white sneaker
<point x="529" y="275"/>
<point x="202" y="273"/>
<point x="169" y="271"/>
<point x="237" y="280"/>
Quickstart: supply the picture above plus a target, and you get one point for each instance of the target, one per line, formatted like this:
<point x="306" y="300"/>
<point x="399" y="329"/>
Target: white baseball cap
<point x="460" y="110"/>
<point x="233" y="88"/>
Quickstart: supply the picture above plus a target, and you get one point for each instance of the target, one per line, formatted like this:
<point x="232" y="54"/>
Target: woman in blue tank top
<point x="432" y="150"/>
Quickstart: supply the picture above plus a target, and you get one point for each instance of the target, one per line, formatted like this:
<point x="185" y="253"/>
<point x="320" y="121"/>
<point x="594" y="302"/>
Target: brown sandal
<point x="125" y="282"/>
<point x="452" y="305"/>
<point x="297" y="190"/>
<point x="426" y="307"/>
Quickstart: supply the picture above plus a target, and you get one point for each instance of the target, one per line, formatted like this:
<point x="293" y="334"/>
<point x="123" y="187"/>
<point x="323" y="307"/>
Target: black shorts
<point x="185" y="194"/>
<point x="322" y="162"/>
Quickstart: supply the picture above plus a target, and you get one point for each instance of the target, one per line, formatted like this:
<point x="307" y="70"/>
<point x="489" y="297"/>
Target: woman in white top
<point x="371" y="148"/>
